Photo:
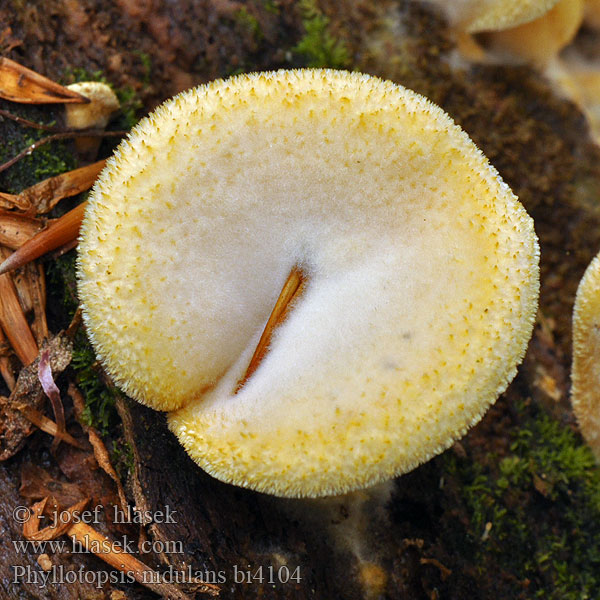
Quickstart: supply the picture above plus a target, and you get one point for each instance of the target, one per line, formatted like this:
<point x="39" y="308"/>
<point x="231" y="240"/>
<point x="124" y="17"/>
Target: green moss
<point x="131" y="105"/>
<point x="271" y="6"/>
<point x="543" y="503"/>
<point x="100" y="401"/>
<point x="100" y="410"/>
<point x="249" y="23"/>
<point x="77" y="74"/>
<point x="318" y="48"/>
<point x="122" y="458"/>
<point x="48" y="160"/>
<point x="52" y="159"/>
<point x="147" y="64"/>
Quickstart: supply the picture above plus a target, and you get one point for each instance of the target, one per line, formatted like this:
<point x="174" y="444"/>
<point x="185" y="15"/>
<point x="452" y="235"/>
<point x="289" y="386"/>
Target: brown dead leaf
<point x="43" y="196"/>
<point x="32" y="525"/>
<point x="30" y="283"/>
<point x="14" y="427"/>
<point x="12" y="201"/>
<point x="31" y="530"/>
<point x="16" y="229"/>
<point x="19" y="84"/>
<point x="13" y="322"/>
<point x="37" y="483"/>
<point x="6" y="367"/>
<point x="81" y="466"/>
<point x="541" y="486"/>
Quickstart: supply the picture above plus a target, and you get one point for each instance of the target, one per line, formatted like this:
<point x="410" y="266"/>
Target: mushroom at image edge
<point x="418" y="268"/>
<point x="585" y="372"/>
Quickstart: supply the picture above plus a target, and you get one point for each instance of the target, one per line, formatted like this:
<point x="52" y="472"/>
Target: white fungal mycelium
<point x="421" y="275"/>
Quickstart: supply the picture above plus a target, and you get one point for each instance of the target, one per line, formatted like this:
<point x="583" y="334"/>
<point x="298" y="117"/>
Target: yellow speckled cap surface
<point x="585" y="373"/>
<point x="422" y="277"/>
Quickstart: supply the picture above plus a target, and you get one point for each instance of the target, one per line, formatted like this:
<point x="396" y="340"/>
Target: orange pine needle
<point x="61" y="232"/>
<point x="292" y="288"/>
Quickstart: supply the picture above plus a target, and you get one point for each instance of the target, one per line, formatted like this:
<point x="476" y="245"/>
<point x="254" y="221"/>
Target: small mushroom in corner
<point x="592" y="14"/>
<point x="96" y="114"/>
<point x="315" y="272"/>
<point x="539" y="41"/>
<point x="475" y="16"/>
<point x="533" y="31"/>
<point x="585" y="372"/>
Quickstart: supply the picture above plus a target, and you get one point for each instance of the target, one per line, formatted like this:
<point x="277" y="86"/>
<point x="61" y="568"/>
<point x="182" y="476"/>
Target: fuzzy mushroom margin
<point x="421" y="272"/>
<point x="585" y="371"/>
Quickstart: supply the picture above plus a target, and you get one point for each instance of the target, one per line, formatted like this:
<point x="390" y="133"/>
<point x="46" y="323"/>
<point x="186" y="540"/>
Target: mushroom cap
<point x="585" y="371"/>
<point x="421" y="266"/>
<point x="103" y="103"/>
<point x="476" y="16"/>
<point x="540" y="40"/>
<point x="579" y="81"/>
<point x="592" y="14"/>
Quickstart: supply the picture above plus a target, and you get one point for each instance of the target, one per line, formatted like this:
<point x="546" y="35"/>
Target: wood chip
<point x="19" y="84"/>
<point x="44" y="562"/>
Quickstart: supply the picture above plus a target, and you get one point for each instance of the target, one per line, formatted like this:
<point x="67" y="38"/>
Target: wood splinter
<point x="292" y="289"/>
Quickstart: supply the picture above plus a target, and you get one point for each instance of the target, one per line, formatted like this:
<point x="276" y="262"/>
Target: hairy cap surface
<point x="421" y="268"/>
<point x="585" y="372"/>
